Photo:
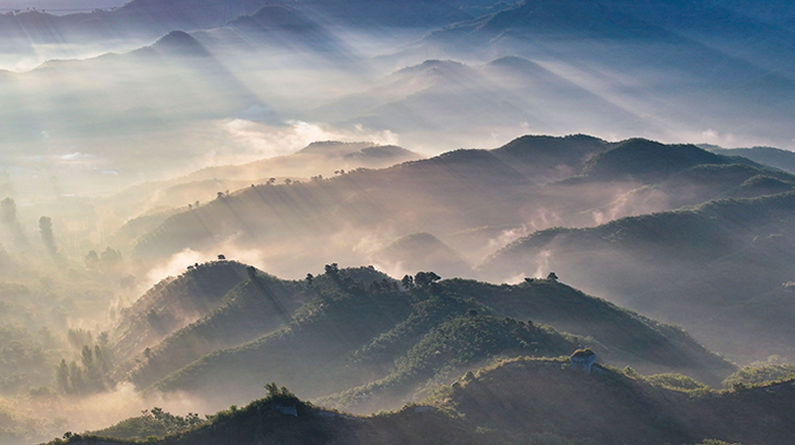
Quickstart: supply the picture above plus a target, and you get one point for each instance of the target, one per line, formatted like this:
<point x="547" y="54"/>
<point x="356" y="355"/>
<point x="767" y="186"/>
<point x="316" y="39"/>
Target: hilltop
<point x="461" y="197"/>
<point x="150" y="203"/>
<point x="381" y="343"/>
<point x="771" y="156"/>
<point x="720" y="269"/>
<point x="174" y="303"/>
<point x="556" y="404"/>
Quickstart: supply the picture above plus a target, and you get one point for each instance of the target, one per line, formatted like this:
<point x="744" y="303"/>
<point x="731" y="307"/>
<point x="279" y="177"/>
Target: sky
<point x="59" y="6"/>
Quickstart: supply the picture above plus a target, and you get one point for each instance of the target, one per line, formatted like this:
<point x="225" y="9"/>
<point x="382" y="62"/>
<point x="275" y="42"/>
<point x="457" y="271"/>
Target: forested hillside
<point x="364" y="341"/>
<point x="523" y="400"/>
<point x="703" y="267"/>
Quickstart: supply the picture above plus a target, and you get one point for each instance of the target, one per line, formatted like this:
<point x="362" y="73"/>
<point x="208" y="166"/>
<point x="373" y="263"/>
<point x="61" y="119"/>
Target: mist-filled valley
<point x="415" y="222"/>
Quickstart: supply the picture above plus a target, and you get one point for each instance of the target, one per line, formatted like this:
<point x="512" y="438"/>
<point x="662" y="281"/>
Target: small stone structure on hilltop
<point x="583" y="359"/>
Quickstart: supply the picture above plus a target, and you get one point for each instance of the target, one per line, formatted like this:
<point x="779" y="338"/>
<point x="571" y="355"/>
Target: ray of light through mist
<point x="367" y="201"/>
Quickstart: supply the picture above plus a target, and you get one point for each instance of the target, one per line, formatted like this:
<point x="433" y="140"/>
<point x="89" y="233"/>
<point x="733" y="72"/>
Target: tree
<point x="9" y="210"/>
<point x="552" y="276"/>
<point x="111" y="259"/>
<point x="62" y="376"/>
<point x="407" y="282"/>
<point x="424" y="279"/>
<point x="45" y="228"/>
<point x="92" y="260"/>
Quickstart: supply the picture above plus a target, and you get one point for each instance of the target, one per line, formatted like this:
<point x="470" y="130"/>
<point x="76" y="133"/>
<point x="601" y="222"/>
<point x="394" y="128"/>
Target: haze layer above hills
<point x="354" y="199"/>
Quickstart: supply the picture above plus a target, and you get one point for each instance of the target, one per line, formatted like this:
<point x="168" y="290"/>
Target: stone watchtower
<point x="583" y="359"/>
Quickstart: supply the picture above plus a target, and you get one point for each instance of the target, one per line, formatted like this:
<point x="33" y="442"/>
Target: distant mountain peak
<point x="180" y="43"/>
<point x="432" y="64"/>
<point x="277" y="17"/>
<point x="335" y="148"/>
<point x="350" y="150"/>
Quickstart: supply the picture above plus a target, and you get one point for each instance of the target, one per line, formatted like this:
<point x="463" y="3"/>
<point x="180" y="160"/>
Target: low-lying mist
<point x="199" y="202"/>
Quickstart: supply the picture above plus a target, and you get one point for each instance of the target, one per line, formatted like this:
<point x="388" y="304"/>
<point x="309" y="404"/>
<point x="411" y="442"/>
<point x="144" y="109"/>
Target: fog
<point x="144" y="144"/>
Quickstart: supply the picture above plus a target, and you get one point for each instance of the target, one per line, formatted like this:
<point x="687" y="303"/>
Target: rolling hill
<point x="720" y="269"/>
<point x="773" y="157"/>
<point x="172" y="304"/>
<point x="148" y="204"/>
<point x="523" y="400"/>
<point x="365" y="342"/>
<point x="468" y="199"/>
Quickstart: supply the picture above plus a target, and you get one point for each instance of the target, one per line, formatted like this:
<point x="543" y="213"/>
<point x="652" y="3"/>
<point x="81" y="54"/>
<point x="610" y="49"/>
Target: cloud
<point x="178" y="263"/>
<point x="265" y="141"/>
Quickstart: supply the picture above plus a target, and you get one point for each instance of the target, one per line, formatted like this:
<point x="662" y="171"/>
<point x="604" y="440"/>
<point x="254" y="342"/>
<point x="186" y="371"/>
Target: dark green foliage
<point x="173" y="304"/>
<point x="629" y="338"/>
<point x="376" y="346"/>
<point x="675" y="381"/>
<point x="774" y="157"/>
<point x="648" y="160"/>
<point x="90" y="375"/>
<point x="306" y="352"/>
<point x="47" y="236"/>
<point x="426" y="314"/>
<point x="760" y="373"/>
<point x="520" y="401"/>
<point x="453" y="345"/>
<point x="254" y="308"/>
<point x="154" y="422"/>
<point x="704" y="267"/>
<point x="25" y="360"/>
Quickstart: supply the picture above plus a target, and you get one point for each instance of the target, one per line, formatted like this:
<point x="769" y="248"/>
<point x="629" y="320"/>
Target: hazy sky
<point x="59" y="6"/>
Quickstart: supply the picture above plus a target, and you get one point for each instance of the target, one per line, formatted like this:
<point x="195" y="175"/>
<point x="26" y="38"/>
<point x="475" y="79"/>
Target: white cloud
<point x="264" y="141"/>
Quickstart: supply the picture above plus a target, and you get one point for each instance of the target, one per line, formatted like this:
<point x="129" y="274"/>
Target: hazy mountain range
<point x="354" y="207"/>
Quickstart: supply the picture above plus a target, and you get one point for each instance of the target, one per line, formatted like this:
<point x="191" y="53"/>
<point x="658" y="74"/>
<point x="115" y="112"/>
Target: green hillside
<point x="370" y="343"/>
<point x="451" y="346"/>
<point x="625" y="336"/>
<point x="522" y="398"/>
<point x="773" y="157"/>
<point x="519" y="401"/>
<point x="704" y="267"/>
<point x="252" y="309"/>
<point x="648" y="161"/>
<point x="532" y="182"/>
<point x="174" y="303"/>
<point x="307" y="352"/>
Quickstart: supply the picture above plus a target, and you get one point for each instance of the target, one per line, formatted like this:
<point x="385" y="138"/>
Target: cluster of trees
<point x="88" y="376"/>
<point x="110" y="259"/>
<point x="151" y="425"/>
<point x="420" y="280"/>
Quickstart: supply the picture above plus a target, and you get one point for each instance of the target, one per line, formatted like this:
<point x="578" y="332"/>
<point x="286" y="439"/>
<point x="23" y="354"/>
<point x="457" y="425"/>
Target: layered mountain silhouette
<point x="364" y="341"/>
<point x="463" y="102"/>
<point x="147" y="205"/>
<point x="719" y="269"/>
<point x="697" y="52"/>
<point x="514" y="400"/>
<point x="771" y="156"/>
<point x="467" y="198"/>
<point x="154" y="90"/>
